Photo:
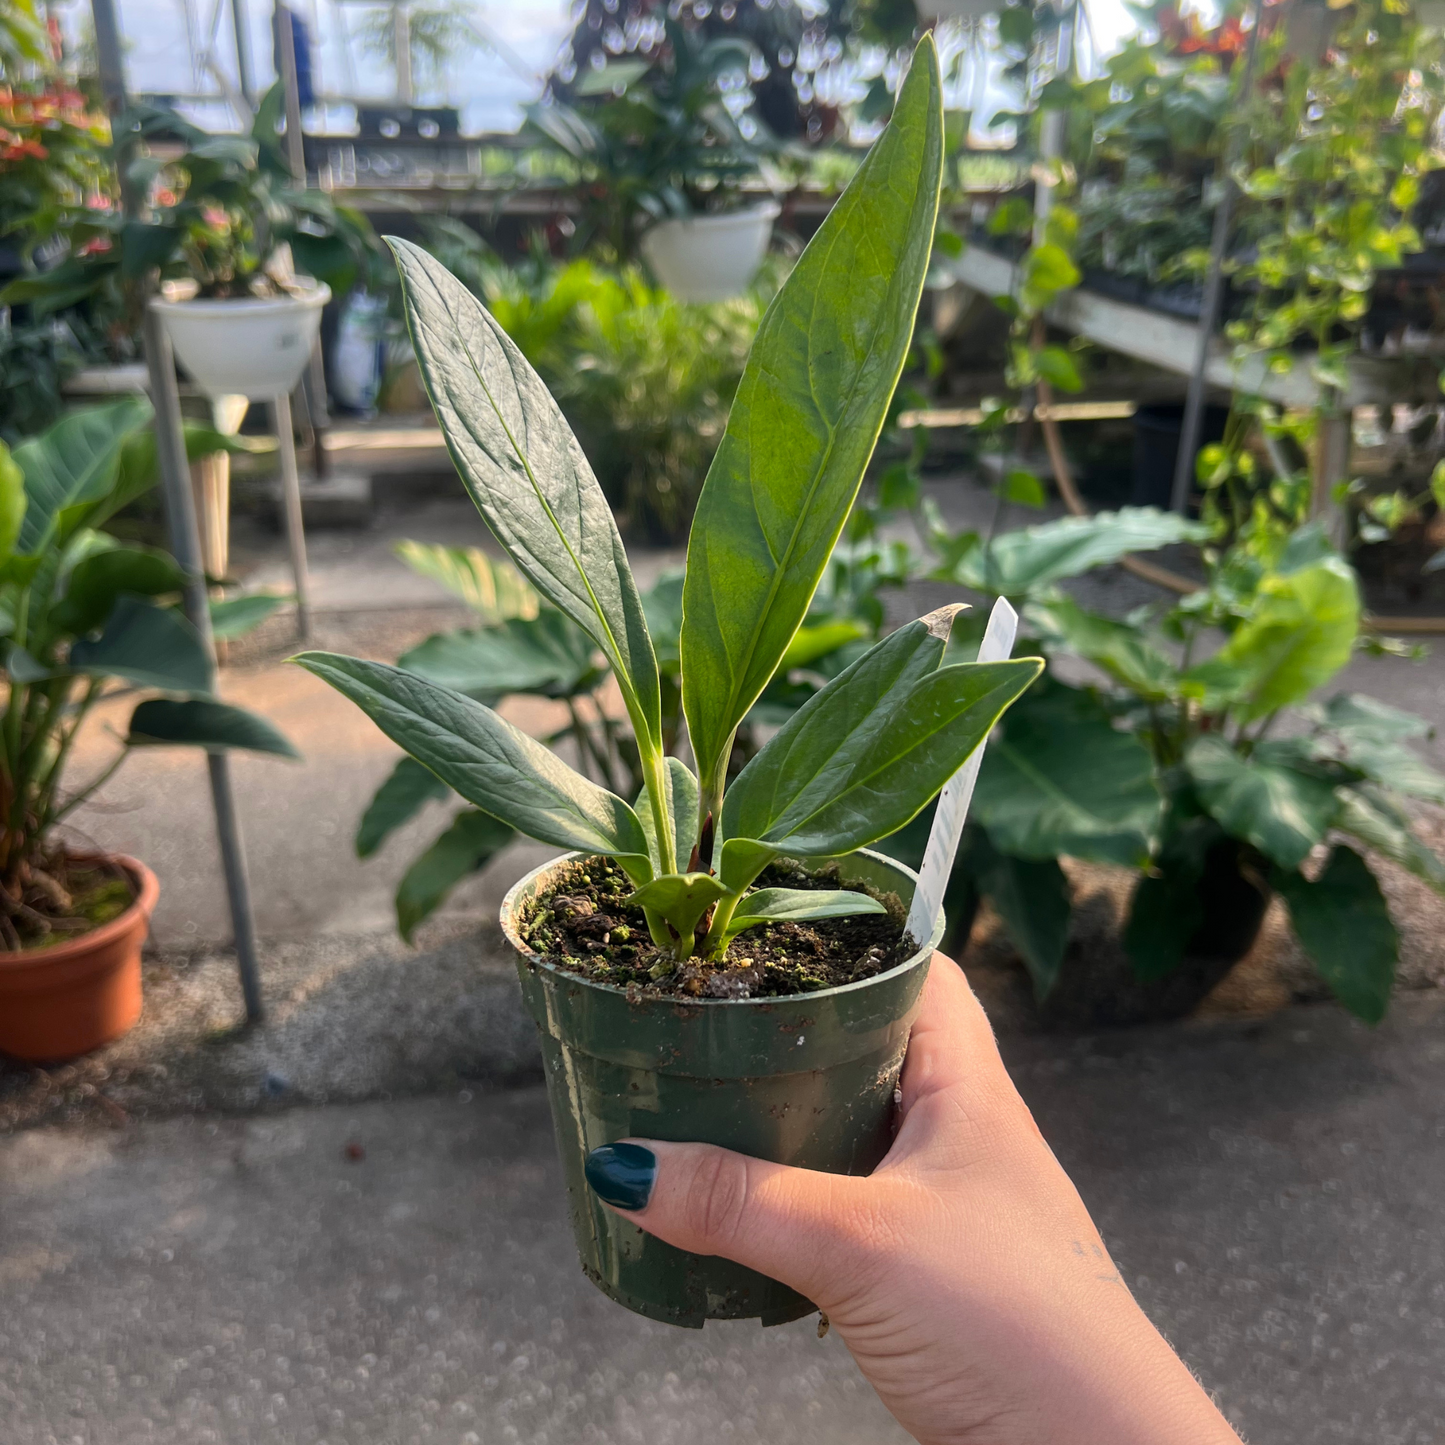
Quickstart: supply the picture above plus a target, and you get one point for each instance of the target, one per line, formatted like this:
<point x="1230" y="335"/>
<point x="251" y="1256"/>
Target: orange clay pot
<point x="60" y="1002"/>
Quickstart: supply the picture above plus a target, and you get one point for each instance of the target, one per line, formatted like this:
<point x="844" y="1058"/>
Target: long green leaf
<point x="1121" y="649"/>
<point x="800" y="905"/>
<point x="1032" y="557"/>
<point x="492" y="764"/>
<point x="233" y="617"/>
<point x="409" y="787"/>
<point x="547" y="654"/>
<point x="148" y="645"/>
<point x="73" y="465"/>
<point x="1284" y="812"/>
<point x="527" y="474"/>
<point x="1033" y="898"/>
<point x="1344" y="924"/>
<point x="804" y="421"/>
<point x="1060" y="778"/>
<point x="843" y="774"/>
<point x="204" y="722"/>
<point x="819" y="741"/>
<point x="472" y="841"/>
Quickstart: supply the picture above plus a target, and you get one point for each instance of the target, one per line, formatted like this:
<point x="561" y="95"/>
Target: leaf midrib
<point x="624" y="678"/>
<point x="780" y="568"/>
<point x="892" y="761"/>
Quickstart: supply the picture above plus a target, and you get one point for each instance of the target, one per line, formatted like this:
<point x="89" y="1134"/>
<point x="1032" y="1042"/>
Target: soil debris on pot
<point x="584" y="925"/>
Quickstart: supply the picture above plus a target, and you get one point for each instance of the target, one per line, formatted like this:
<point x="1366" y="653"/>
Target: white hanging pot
<point x="710" y="258"/>
<point x="255" y="347"/>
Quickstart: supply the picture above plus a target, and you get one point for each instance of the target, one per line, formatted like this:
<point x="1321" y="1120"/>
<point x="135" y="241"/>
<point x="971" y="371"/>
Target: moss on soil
<point x="98" y="895"/>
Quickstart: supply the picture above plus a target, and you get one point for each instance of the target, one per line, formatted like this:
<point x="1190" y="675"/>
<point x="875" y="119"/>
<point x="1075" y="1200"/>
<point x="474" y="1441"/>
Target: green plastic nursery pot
<point x="806" y="1080"/>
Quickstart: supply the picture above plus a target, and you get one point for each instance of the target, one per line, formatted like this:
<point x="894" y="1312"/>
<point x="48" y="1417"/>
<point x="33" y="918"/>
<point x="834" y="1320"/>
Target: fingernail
<point x="622" y="1174"/>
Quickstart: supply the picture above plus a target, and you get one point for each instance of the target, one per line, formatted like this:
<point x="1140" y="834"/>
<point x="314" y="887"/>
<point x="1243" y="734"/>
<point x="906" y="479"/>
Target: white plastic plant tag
<point x="953" y="801"/>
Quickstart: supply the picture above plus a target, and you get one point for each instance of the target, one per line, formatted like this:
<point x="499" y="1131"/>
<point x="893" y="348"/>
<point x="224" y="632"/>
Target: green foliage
<point x="874" y="743"/>
<point x="79" y="610"/>
<point x="408" y="789"/>
<point x="471" y="842"/>
<point x="204" y="722"/>
<point x="803" y="425"/>
<point x="652" y="138"/>
<point x="1062" y="779"/>
<point x="1169" y="763"/>
<point x="1344" y="924"/>
<point x="1019" y="563"/>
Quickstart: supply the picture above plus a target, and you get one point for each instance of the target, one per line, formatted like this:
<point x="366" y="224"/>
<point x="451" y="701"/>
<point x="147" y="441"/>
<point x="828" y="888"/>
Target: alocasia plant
<point x="870" y="749"/>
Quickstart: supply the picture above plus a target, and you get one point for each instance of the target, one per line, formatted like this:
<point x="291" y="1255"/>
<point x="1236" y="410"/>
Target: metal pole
<point x="180" y="505"/>
<point x="401" y="40"/>
<point x="1209" y="303"/>
<point x="243" y="52"/>
<point x="286" y="49"/>
<point x="313" y="380"/>
<point x="291" y="499"/>
<point x="185" y="544"/>
<point x="108" y="58"/>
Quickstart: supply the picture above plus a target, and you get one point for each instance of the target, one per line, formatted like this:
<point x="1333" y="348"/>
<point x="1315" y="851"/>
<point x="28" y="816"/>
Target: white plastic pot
<point x="249" y="347"/>
<point x="710" y="258"/>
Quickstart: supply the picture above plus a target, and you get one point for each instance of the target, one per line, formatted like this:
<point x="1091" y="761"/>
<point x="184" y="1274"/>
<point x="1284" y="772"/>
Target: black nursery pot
<point x="806" y="1080"/>
<point x="1104" y="993"/>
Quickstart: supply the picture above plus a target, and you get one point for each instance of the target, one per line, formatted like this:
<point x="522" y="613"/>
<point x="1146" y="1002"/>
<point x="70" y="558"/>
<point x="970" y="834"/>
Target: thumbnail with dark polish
<point x="621" y="1174"/>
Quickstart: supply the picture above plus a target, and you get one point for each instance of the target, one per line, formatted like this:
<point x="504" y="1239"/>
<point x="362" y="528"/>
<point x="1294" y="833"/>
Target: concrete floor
<point x="200" y="1260"/>
<point x="1271" y="1192"/>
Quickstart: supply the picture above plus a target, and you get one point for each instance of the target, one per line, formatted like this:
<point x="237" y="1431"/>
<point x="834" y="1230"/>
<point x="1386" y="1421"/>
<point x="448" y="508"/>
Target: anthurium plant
<point x="864" y="755"/>
<point x="80" y="612"/>
<point x="1203" y="745"/>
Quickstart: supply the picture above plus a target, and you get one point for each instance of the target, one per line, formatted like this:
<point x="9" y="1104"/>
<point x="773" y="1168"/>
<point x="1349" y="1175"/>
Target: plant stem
<point x="715" y="944"/>
<point x="92" y="787"/>
<point x="654" y="771"/>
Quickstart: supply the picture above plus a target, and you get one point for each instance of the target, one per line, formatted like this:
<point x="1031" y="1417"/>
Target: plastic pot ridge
<point x="806" y="1080"/>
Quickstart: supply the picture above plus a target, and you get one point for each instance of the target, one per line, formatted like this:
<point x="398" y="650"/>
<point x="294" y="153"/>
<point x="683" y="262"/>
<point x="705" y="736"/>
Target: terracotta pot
<point x="57" y="1003"/>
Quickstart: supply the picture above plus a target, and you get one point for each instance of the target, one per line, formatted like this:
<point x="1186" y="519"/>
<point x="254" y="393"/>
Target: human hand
<point x="964" y="1274"/>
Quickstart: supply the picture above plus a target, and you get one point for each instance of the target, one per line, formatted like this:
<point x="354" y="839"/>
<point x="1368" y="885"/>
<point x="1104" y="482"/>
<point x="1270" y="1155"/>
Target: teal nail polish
<point x="622" y="1174"/>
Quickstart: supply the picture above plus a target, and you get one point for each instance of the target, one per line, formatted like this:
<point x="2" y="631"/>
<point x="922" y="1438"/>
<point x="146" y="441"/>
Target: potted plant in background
<point x="658" y="974"/>
<point x="663" y="159"/>
<point x="81" y="610"/>
<point x="230" y="230"/>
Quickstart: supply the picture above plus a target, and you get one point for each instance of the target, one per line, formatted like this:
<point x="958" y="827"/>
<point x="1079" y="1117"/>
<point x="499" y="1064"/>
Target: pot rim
<point x="310" y="295"/>
<point x="508" y="920"/>
<point x="764" y="210"/>
<point x="148" y="891"/>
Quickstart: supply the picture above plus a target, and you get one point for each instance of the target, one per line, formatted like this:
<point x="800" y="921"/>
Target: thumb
<point x="795" y="1225"/>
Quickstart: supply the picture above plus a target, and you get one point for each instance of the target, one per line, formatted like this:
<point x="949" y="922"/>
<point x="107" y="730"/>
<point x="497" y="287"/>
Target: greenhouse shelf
<point x="1171" y="344"/>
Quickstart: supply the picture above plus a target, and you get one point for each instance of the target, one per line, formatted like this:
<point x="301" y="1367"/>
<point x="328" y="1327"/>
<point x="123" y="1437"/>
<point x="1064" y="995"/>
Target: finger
<point x="795" y="1225"/>
<point x="952" y="1041"/>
